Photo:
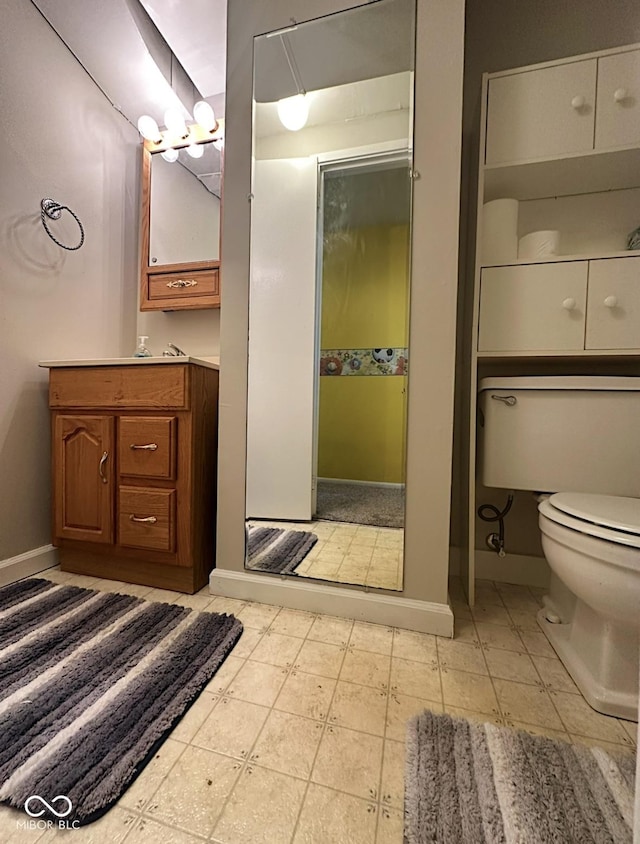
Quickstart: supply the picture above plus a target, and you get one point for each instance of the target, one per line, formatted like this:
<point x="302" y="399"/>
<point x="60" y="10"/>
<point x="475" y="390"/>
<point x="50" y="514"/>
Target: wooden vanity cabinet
<point x="134" y="472"/>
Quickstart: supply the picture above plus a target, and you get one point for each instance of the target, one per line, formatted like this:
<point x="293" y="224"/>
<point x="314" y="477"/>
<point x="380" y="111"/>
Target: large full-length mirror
<point x="329" y="296"/>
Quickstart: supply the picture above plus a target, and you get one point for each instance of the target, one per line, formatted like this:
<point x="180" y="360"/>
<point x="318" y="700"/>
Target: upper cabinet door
<point x="541" y="113"/>
<point x="618" y="103"/>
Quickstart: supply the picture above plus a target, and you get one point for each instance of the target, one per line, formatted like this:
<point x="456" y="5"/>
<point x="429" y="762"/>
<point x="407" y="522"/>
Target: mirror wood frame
<point x="154" y="280"/>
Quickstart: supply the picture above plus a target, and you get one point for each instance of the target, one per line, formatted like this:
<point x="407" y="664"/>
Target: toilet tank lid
<point x="563" y="382"/>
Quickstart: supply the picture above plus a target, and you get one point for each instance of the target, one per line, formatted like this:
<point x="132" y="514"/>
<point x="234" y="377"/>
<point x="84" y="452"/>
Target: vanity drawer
<point x="146" y="518"/>
<point x="147" y="446"/>
<point x="142" y="385"/>
<point x="184" y="285"/>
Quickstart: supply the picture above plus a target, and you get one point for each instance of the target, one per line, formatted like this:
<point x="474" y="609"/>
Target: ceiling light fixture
<point x="293" y="111"/>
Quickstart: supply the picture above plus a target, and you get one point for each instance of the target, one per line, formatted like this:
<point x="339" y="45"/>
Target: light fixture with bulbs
<point x="293" y="111"/>
<point x="177" y="134"/>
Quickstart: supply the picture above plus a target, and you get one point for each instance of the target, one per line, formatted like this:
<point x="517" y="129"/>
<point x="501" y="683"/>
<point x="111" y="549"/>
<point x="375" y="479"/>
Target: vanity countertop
<point x="207" y="361"/>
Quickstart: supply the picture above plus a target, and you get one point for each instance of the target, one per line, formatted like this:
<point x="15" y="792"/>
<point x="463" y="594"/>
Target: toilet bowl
<point x="591" y="615"/>
<point x="578" y="436"/>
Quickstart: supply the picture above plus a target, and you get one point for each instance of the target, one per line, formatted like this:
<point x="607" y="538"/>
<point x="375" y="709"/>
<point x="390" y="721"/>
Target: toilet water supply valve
<point x="490" y="513"/>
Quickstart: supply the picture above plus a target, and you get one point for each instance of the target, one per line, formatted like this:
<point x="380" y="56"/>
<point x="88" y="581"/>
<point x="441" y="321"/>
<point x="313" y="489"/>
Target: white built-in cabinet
<point x="563" y="138"/>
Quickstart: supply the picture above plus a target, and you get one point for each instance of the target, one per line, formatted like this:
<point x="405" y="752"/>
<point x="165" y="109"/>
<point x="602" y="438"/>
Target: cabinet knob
<point x="569" y="304"/>
<point x="578" y="102"/>
<point x="611" y="302"/>
<point x="620" y="95"/>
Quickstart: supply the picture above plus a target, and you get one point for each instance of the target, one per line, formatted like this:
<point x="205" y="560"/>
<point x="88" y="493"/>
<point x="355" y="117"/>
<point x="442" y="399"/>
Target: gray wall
<point x="59" y="138"/>
<point x="503" y="34"/>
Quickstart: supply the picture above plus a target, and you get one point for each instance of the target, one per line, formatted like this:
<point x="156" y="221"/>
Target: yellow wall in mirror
<point x="362" y="418"/>
<point x="364" y="288"/>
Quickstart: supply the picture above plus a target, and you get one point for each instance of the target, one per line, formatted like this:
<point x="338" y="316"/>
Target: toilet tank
<point x="554" y="434"/>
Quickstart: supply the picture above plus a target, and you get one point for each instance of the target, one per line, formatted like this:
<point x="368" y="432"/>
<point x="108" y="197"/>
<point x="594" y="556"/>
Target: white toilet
<point x="578" y="438"/>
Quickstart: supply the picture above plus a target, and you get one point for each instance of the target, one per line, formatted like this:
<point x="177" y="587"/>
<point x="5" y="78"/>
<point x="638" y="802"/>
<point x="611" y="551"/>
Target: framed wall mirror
<point x="329" y="296"/>
<point x="180" y="226"/>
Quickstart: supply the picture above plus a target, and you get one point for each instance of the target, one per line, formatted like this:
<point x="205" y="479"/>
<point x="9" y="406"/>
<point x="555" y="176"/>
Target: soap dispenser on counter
<point x="142" y="351"/>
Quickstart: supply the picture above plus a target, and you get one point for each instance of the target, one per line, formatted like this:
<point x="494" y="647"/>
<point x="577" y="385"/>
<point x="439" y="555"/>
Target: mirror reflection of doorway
<point x="363" y="307"/>
<point x="328" y="296"/>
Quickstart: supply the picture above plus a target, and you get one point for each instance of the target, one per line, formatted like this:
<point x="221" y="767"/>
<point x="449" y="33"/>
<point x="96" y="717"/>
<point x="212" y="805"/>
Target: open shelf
<point x="556" y="259"/>
<point x="564" y="176"/>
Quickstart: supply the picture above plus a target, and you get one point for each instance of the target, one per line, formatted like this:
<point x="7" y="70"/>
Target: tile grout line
<point x="324" y="731"/>
<point x="384" y="737"/>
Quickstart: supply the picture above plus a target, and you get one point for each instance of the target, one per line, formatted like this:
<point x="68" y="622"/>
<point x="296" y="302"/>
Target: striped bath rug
<point x="91" y="683"/>
<point x="469" y="783"/>
<point x="277" y="550"/>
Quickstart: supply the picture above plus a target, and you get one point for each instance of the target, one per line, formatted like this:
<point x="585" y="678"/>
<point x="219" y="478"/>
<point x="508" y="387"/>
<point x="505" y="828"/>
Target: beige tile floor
<point x="300" y="736"/>
<point x="347" y="553"/>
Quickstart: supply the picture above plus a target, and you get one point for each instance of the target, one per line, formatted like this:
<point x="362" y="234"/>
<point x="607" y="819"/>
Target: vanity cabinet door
<point x="83" y="471"/>
<point x="618" y="101"/>
<point x="613" y="305"/>
<point x="541" y="113"/>
<point x="533" y="307"/>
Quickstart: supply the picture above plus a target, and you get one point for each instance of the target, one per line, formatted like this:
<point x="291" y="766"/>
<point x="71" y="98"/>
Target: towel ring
<point x="53" y="210"/>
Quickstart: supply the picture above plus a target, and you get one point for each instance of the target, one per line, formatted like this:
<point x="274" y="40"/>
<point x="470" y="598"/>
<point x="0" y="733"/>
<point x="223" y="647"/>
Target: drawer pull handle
<point x="182" y="282"/>
<point x="620" y="95"/>
<point x="147" y="447"/>
<point x="103" y="460"/>
<point x="611" y="302"/>
<point x="569" y="304"/>
<point x="147" y="520"/>
<point x="578" y="102"/>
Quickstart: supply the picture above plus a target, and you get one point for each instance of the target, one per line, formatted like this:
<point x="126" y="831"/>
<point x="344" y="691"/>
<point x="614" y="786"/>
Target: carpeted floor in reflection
<point x="360" y="504"/>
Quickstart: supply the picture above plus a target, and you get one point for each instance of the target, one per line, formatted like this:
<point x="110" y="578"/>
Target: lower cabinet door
<point x="533" y="307"/>
<point x="146" y="518"/>
<point x="83" y="473"/>
<point x="613" y="304"/>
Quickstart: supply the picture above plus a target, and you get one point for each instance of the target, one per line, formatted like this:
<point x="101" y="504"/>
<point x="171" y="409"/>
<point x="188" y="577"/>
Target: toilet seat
<point x="608" y="517"/>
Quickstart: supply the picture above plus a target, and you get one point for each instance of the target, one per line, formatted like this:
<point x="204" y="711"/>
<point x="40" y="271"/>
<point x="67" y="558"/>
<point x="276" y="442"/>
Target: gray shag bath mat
<point x="91" y="683"/>
<point x="469" y="783"/>
<point x="277" y="550"/>
<point x="360" y="504"/>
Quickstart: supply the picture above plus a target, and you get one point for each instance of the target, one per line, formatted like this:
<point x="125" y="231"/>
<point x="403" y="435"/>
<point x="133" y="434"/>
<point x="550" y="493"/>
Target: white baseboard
<point x="423" y="616"/>
<point x="24" y="565"/>
<point x="361" y="483"/>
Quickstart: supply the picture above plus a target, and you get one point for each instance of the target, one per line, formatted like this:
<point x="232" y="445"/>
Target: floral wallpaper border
<point x="383" y="361"/>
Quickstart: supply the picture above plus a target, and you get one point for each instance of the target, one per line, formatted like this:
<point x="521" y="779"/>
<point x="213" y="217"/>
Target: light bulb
<point x="205" y="116"/>
<point x="219" y="144"/>
<point x="195" y="150"/>
<point x="170" y="155"/>
<point x="174" y="122"/>
<point x="293" y="112"/>
<point x="148" y="128"/>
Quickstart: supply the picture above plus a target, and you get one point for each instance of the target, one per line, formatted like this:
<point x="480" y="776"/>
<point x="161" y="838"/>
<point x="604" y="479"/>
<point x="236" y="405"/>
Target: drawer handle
<point x="182" y="282"/>
<point x="569" y="304"/>
<point x="148" y="447"/>
<point x="620" y="95"/>
<point x="578" y="102"/>
<point x="103" y="460"/>
<point x="611" y="302"/>
<point x="147" y="520"/>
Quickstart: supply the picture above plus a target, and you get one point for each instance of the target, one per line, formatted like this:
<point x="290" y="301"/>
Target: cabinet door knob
<point x="611" y="302"/>
<point x="620" y="95"/>
<point x="578" y="102"/>
<point x="569" y="304"/>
